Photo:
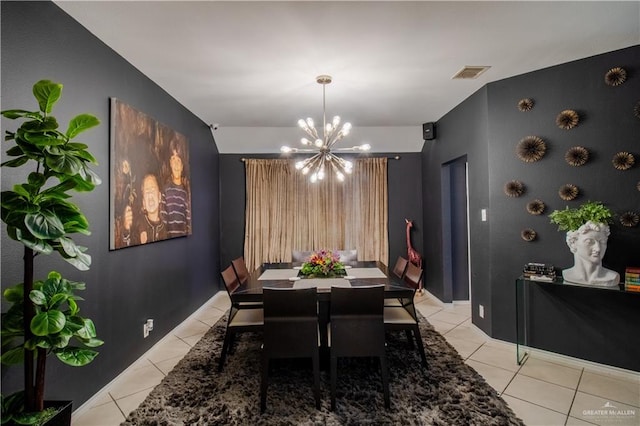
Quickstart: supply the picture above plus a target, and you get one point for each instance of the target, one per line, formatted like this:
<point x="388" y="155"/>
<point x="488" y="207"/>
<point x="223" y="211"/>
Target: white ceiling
<point x="253" y="64"/>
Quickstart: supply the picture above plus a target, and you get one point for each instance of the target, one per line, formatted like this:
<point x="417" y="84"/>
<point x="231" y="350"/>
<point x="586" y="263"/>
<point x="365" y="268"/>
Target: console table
<point x="524" y="290"/>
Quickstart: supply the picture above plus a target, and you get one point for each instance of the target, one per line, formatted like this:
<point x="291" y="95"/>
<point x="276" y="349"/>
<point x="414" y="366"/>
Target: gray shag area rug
<point x="448" y="392"/>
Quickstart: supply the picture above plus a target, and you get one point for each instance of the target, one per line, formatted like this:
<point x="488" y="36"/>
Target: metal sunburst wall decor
<point x="615" y="76"/>
<point x="528" y="234"/>
<point x="568" y="192"/>
<point x="576" y="156"/>
<point x="525" y="104"/>
<point x="629" y="219"/>
<point x="514" y="188"/>
<point x="623" y="160"/>
<point x="636" y="109"/>
<point x="567" y="119"/>
<point x="536" y="207"/>
<point x="531" y="149"/>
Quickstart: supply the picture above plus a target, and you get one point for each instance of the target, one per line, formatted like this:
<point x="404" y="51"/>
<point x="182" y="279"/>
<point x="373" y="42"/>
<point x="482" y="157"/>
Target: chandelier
<point x="324" y="158"/>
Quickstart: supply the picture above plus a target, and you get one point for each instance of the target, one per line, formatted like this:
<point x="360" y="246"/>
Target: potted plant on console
<point x="587" y="229"/>
<point x="43" y="317"/>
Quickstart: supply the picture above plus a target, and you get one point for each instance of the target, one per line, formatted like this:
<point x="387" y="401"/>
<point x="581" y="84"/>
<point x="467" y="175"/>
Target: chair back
<point x="300" y="255"/>
<point x="290" y="322"/>
<point x="400" y="267"/>
<point x="413" y="275"/>
<point x="348" y="255"/>
<point x="241" y="269"/>
<point x="230" y="280"/>
<point x="357" y="321"/>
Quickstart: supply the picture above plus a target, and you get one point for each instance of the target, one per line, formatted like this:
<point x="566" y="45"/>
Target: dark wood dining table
<point x="377" y="273"/>
<point x="251" y="289"/>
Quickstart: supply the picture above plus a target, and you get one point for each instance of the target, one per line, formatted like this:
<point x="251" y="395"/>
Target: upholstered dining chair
<point x="356" y="329"/>
<point x="241" y="269"/>
<point x="243" y="316"/>
<point x="300" y="255"/>
<point x="348" y="255"/>
<point x="398" y="270"/>
<point x="404" y="317"/>
<point x="290" y="331"/>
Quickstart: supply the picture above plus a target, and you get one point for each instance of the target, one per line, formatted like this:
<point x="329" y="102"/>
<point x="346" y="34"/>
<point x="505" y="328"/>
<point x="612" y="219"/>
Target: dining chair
<point x="243" y="316"/>
<point x="241" y="269"/>
<point x="300" y="255"/>
<point x="398" y="270"/>
<point x="348" y="255"/>
<point x="290" y="331"/>
<point x="356" y="329"/>
<point x="404" y="317"/>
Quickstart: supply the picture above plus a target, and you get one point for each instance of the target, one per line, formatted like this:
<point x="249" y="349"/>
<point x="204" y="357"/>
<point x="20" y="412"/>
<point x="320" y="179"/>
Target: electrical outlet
<point x="481" y="311"/>
<point x="483" y="215"/>
<point x="145" y="330"/>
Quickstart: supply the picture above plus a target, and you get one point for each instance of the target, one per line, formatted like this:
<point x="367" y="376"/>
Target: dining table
<point x="287" y="275"/>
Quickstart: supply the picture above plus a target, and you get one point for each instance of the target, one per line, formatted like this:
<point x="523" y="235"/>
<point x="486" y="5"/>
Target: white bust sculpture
<point x="588" y="245"/>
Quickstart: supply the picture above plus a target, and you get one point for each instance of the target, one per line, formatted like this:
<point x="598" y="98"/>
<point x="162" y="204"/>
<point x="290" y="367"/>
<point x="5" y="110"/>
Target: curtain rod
<point x="395" y="157"/>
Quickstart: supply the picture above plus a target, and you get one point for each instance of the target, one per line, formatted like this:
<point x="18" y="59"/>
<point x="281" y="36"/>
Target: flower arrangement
<point x="323" y="263"/>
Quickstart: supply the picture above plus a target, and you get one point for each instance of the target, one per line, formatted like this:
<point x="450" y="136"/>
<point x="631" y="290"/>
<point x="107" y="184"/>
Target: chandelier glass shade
<point x="323" y="159"/>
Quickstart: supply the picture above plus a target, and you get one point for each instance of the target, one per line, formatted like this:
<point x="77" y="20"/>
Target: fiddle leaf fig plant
<point x="572" y="219"/>
<point x="43" y="317"/>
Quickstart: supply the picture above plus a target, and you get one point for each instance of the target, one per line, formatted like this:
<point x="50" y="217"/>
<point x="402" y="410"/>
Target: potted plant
<point x="43" y="317"/>
<point x="587" y="229"/>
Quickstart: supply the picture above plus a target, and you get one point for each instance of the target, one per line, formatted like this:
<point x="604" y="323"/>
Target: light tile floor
<point x="545" y="390"/>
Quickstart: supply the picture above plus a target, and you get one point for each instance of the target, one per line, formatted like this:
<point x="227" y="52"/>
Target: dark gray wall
<point x="404" y="187"/>
<point x="166" y="281"/>
<point x="487" y="128"/>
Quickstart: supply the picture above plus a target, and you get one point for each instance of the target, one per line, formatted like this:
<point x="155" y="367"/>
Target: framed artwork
<point x="150" y="192"/>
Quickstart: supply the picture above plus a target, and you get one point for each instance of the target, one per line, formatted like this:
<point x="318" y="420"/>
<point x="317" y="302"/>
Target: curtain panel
<point x="286" y="212"/>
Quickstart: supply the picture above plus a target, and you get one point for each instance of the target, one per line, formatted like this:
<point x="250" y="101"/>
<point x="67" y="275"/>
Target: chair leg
<point x="316" y="378"/>
<point x="416" y="333"/>
<point x="334" y="380"/>
<point x="384" y="372"/>
<point x="228" y="336"/>
<point x="264" y="383"/>
<point x="407" y="332"/>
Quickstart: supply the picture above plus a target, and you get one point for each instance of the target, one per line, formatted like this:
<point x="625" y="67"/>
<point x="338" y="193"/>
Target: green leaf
<point x="16" y="113"/>
<point x="82" y="261"/>
<point x="38" y="297"/>
<point x="36" y="179"/>
<point x="16" y="162"/>
<point x="14" y="151"/>
<point x="88" y="331"/>
<point x="35" y="244"/>
<point x="14" y="294"/>
<point x="13" y="356"/>
<point x="63" y="162"/>
<point x="44" y="225"/>
<point x="46" y="323"/>
<point x="76" y="357"/>
<point x="81" y="123"/>
<point x="38" y="126"/>
<point x="47" y="93"/>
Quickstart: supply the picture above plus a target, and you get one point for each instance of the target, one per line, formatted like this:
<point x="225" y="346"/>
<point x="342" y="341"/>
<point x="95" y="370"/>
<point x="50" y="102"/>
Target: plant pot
<point x="63" y="416"/>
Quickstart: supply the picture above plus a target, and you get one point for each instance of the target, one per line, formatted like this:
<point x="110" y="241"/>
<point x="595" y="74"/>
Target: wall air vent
<point x="470" y="72"/>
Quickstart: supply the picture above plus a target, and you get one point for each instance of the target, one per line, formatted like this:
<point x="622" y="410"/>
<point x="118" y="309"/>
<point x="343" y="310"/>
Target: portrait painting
<point x="150" y="187"/>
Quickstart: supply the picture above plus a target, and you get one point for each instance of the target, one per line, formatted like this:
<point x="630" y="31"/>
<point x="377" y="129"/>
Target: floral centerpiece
<point x="323" y="263"/>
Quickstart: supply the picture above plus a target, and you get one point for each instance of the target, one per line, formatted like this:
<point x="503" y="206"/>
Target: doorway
<point x="455" y="234"/>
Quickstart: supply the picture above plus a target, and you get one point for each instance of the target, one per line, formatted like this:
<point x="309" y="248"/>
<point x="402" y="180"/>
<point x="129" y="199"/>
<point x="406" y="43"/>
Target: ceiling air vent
<point x="469" y="72"/>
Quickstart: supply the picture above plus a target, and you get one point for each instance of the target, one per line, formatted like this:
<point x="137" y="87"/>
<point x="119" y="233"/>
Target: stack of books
<point x="539" y="272"/>
<point x="632" y="278"/>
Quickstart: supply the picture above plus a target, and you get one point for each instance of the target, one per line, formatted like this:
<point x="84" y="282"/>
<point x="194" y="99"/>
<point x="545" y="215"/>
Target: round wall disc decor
<point x="636" y="109"/>
<point x="525" y="104"/>
<point x="535" y="207"/>
<point x="615" y="76"/>
<point x="629" y="219"/>
<point x="530" y="149"/>
<point x="567" y="119"/>
<point x="528" y="234"/>
<point x="568" y="192"/>
<point x="514" y="188"/>
<point x="623" y="160"/>
<point x="576" y="156"/>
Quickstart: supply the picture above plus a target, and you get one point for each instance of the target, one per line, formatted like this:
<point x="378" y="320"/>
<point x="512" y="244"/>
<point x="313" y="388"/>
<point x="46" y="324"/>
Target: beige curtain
<point x="286" y="212"/>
